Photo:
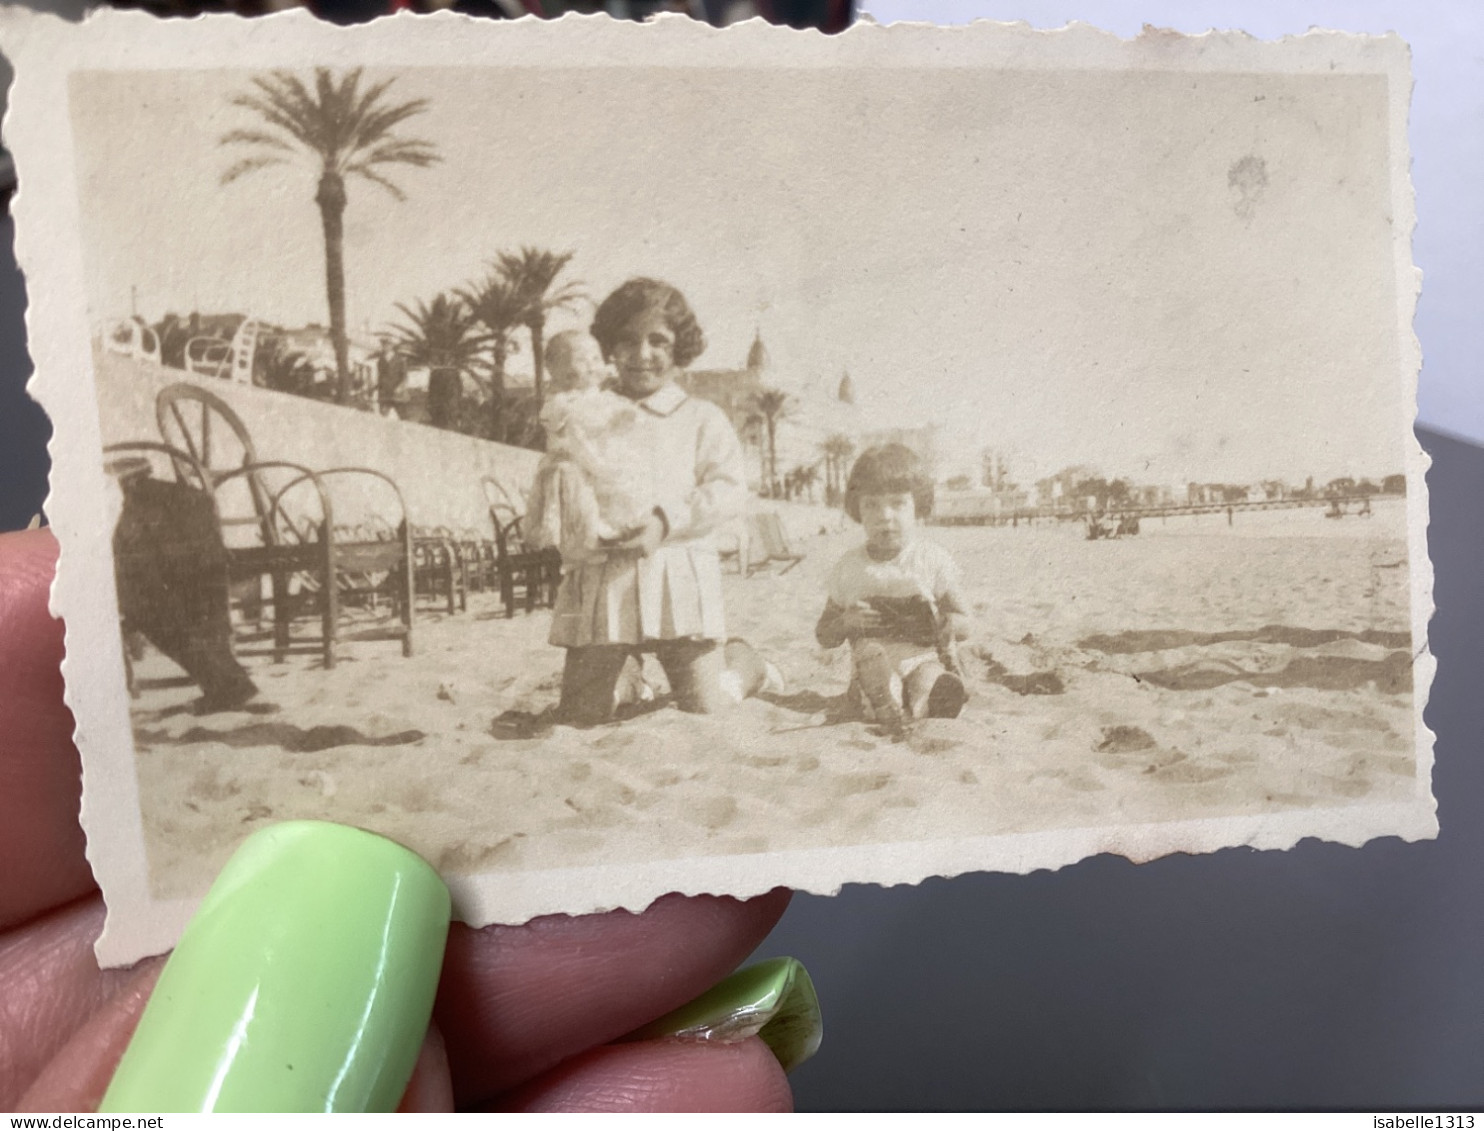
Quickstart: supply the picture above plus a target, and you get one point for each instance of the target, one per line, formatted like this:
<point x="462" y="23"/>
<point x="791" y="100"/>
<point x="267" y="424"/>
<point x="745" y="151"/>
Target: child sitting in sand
<point x="896" y="599"/>
<point x="592" y="485"/>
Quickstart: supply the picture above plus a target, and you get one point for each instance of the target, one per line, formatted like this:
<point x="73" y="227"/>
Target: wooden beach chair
<point x="768" y="543"/>
<point x="277" y="522"/>
<point x="534" y="574"/>
<point x="438" y="568"/>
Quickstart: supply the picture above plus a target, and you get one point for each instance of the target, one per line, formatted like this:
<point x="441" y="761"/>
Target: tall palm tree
<point x="532" y="273"/>
<point x="497" y="306"/>
<point x="444" y="337"/>
<point x="772" y="405"/>
<point x="837" y="448"/>
<point x="344" y="131"/>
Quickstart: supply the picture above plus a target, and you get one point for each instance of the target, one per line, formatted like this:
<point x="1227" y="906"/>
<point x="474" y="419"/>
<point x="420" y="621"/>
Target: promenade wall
<point x="439" y="473"/>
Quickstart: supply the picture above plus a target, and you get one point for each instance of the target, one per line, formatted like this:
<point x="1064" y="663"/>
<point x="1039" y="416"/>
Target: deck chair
<point x="768" y="543"/>
<point x="526" y="576"/>
<point x="439" y="569"/>
<point x="277" y="521"/>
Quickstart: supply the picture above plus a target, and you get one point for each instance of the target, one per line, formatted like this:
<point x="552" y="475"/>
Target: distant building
<point x="1057" y="492"/>
<point x="810" y="416"/>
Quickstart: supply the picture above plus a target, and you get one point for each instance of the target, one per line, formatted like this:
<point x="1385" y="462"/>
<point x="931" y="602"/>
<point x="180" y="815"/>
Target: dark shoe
<point x="947" y="698"/>
<point x="228" y="696"/>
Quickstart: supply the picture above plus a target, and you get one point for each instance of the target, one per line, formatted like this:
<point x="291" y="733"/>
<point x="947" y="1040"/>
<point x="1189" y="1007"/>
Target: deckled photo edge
<point x="84" y="593"/>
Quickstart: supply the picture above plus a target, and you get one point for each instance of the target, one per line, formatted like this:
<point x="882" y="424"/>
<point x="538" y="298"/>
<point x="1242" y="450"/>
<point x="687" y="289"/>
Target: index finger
<point x="515" y="1001"/>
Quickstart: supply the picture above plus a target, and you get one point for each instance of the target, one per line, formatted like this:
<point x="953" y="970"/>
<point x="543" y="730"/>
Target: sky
<point x="1170" y="277"/>
<point x="1447" y="145"/>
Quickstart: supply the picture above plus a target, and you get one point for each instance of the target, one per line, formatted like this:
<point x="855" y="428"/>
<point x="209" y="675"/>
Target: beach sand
<point x="1196" y="670"/>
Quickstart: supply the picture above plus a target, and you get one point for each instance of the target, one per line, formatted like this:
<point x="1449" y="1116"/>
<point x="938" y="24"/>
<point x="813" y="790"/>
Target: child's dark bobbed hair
<point x="639" y="297"/>
<point x="889" y="469"/>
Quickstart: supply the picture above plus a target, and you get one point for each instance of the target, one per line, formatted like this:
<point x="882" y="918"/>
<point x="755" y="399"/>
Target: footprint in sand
<point x="1083" y="782"/>
<point x="765" y="762"/>
<point x="465" y="857"/>
<point x="320" y="780"/>
<point x="1348" y="787"/>
<point x="930" y="747"/>
<point x="1191" y="773"/>
<point x="850" y="784"/>
<point x="209" y="786"/>
<point x="715" y="812"/>
<point x="414" y="799"/>
<point x="1124" y="739"/>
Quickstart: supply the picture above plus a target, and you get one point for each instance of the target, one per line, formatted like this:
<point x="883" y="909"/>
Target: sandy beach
<point x="1199" y="669"/>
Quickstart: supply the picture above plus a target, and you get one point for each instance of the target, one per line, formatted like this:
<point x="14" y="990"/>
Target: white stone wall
<point x="439" y="473"/>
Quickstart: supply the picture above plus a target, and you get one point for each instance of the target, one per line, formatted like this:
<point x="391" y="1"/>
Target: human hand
<point x="524" y="1015"/>
<point x="645" y="538"/>
<point x="861" y="619"/>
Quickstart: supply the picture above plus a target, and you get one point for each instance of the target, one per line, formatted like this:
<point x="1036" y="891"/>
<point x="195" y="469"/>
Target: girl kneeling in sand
<point x="896" y="599"/>
<point x="657" y="585"/>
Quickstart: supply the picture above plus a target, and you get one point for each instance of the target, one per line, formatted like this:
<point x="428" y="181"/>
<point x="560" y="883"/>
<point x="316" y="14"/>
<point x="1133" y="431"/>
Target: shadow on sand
<point x="1159" y="639"/>
<point x="286" y="736"/>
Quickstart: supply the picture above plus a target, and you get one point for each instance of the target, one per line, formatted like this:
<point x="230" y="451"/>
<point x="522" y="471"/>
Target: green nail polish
<point x="773" y="999"/>
<point x="304" y="982"/>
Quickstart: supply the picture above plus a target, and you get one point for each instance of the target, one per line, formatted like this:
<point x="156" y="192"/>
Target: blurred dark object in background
<point x="826" y="15"/>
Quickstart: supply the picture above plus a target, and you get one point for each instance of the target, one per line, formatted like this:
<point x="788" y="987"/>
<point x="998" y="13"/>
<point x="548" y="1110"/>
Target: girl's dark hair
<point x="889" y="469"/>
<point x="644" y="296"/>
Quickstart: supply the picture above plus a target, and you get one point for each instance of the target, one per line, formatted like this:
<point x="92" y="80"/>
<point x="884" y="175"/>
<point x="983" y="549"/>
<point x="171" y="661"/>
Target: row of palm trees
<point x="347" y="130"/>
<point x="835" y="452"/>
<point x="470" y="332"/>
<point x="767" y="409"/>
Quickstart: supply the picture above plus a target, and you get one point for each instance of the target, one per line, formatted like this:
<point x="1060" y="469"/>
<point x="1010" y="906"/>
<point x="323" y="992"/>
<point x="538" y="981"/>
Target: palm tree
<point x="497" y="305"/>
<point x="805" y="477"/>
<point x="531" y="273"/>
<point x="444" y="337"/>
<point x="837" y="448"/>
<point x="772" y="405"/>
<point x="345" y="132"/>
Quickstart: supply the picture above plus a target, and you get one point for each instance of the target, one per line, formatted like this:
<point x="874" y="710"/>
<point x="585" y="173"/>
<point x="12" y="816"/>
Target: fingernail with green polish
<point x="304" y="982"/>
<point x="773" y="999"/>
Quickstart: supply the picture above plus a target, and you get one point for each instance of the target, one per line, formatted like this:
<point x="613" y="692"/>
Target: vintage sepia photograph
<point x="647" y="458"/>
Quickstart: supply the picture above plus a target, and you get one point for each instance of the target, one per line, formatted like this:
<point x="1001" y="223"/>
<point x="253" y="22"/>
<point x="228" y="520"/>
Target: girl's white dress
<point x="694" y="461"/>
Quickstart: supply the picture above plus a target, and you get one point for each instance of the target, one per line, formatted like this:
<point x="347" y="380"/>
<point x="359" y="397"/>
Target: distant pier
<point x="1346" y="505"/>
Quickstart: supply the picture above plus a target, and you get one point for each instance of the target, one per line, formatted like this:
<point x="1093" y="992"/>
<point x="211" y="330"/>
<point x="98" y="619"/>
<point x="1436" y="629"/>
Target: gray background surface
<point x="1446" y="131"/>
<point x="1323" y="977"/>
